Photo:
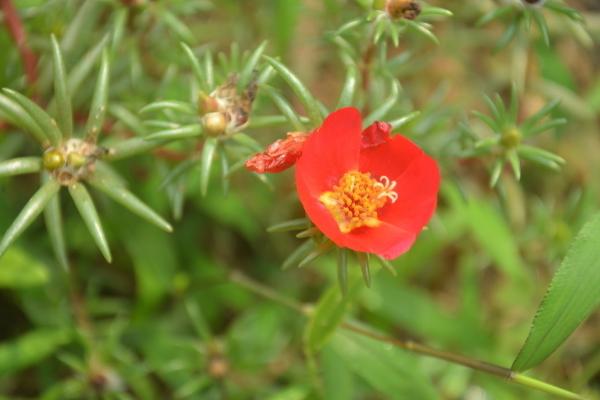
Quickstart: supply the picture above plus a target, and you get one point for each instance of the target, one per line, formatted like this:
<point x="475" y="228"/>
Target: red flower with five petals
<point x="365" y="190"/>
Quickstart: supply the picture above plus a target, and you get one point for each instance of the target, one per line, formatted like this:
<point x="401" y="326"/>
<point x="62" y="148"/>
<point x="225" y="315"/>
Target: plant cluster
<point x="374" y="159"/>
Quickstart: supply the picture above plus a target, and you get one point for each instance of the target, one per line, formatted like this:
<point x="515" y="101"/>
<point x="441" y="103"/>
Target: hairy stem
<point x="408" y="345"/>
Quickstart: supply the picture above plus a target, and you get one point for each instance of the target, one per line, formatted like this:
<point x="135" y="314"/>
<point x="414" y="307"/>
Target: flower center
<point x="354" y="201"/>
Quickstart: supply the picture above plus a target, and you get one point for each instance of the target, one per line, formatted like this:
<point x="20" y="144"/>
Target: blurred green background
<point x="163" y="320"/>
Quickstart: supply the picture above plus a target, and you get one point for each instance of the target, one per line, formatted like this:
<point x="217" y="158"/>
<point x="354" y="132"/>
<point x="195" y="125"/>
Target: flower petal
<point x="417" y="189"/>
<point x="331" y="151"/>
<point x="389" y="159"/>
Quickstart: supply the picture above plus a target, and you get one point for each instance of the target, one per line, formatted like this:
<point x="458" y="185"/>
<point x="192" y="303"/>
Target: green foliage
<point x="200" y="308"/>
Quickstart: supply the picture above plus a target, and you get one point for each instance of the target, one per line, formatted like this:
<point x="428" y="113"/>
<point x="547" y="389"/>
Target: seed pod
<point x="53" y="159"/>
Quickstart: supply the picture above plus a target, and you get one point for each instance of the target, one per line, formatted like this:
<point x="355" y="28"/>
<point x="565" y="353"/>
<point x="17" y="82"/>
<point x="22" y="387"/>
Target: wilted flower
<point x="279" y="155"/>
<point x="365" y="190"/>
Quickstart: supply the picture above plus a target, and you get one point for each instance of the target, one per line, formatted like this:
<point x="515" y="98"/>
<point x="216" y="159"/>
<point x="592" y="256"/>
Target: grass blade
<point x="30" y="212"/>
<point x="85" y="206"/>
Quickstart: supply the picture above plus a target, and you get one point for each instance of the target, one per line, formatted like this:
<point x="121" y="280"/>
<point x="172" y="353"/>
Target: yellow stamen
<point x="354" y="201"/>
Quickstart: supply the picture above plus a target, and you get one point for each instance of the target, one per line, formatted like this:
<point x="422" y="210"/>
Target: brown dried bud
<point x="408" y="9"/>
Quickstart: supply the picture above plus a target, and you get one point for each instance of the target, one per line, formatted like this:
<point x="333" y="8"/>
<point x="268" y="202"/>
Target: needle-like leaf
<point x="17" y="116"/>
<point x="285" y="108"/>
<point x="349" y="88"/>
<point x="41" y="118"/>
<point x="180" y="106"/>
<point x="98" y="108"/>
<point x="342" y="270"/>
<point x="64" y="113"/>
<point x="182" y="132"/>
<point x="206" y="162"/>
<point x="307" y="99"/>
<point x="30" y="212"/>
<point x="198" y="73"/>
<point x="250" y="68"/>
<point x="54" y="225"/>
<point x="85" y="206"/>
<point x="19" y="166"/>
<point x="121" y="195"/>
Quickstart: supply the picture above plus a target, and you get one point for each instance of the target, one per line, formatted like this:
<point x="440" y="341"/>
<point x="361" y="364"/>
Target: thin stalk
<point x="408" y="345"/>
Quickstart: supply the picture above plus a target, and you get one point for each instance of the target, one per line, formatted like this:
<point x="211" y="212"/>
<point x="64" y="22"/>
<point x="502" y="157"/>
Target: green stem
<point x="409" y="345"/>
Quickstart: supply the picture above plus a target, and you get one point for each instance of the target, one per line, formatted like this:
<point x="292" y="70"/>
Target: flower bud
<point x="207" y="104"/>
<point x="214" y="123"/>
<point x="408" y="9"/>
<point x="76" y="160"/>
<point x="511" y="138"/>
<point x="52" y="160"/>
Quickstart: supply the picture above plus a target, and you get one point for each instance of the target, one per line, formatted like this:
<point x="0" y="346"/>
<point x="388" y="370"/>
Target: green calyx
<point x="511" y="138"/>
<point x="52" y="160"/>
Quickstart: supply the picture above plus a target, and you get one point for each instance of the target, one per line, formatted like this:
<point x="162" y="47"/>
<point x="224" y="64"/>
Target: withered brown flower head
<point x="408" y="9"/>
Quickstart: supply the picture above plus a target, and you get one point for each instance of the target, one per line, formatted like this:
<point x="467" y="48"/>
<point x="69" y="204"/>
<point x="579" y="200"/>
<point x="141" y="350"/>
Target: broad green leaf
<point x="19" y="166"/>
<point x="87" y="209"/>
<point x="30" y="212"/>
<point x="571" y="297"/>
<point x="98" y="108"/>
<point x="307" y="99"/>
<point x="30" y="349"/>
<point x="389" y="370"/>
<point x="61" y="91"/>
<point x="18" y="269"/>
<point x="121" y="195"/>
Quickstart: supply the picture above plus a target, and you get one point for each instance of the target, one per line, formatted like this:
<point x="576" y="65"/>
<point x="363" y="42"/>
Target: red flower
<point x="366" y="191"/>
